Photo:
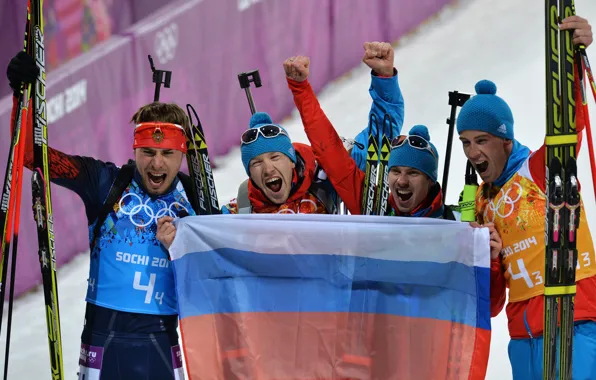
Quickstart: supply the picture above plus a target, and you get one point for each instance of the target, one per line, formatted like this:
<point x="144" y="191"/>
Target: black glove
<point x="22" y="68"/>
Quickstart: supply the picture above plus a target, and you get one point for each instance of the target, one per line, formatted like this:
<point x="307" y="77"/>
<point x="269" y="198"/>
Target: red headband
<point x="160" y="135"/>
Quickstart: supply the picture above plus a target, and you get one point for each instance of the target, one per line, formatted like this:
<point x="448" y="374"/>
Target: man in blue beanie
<point x="513" y="198"/>
<point x="283" y="175"/>
<point x="413" y="175"/>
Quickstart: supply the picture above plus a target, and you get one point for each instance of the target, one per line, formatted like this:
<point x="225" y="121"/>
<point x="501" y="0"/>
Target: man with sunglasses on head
<point x="283" y="175"/>
<point x="131" y="320"/>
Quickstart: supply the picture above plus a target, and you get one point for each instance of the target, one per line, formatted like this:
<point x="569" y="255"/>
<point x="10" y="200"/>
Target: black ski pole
<point x="245" y="79"/>
<point x="456" y="99"/>
<point x="159" y="77"/>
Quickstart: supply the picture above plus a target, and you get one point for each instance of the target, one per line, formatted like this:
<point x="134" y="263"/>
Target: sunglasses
<point x="414" y="141"/>
<point x="267" y="131"/>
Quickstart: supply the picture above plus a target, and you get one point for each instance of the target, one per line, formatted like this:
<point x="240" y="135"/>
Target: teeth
<point x="272" y="179"/>
<point x="404" y="192"/>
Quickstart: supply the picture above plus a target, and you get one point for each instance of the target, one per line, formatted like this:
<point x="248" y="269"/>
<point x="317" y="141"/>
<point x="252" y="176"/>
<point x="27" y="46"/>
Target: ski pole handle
<point x="468" y="202"/>
<point x="245" y="79"/>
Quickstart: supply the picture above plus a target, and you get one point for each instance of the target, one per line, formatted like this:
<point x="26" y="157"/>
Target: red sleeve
<point x="62" y="166"/>
<point x="341" y="169"/>
<point x="498" y="286"/>
<point x="538" y="159"/>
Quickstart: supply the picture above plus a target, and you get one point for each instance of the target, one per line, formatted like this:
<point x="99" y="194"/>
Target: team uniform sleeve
<point x="498" y="286"/>
<point x="341" y="169"/>
<point x="230" y="208"/>
<point x="387" y="99"/>
<point x="89" y="178"/>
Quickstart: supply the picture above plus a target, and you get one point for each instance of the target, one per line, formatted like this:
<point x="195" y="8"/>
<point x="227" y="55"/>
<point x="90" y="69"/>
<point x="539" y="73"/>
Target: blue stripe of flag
<point x="233" y="281"/>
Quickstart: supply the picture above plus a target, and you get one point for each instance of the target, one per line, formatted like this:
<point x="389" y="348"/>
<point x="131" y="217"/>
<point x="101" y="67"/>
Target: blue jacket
<point x="387" y="98"/>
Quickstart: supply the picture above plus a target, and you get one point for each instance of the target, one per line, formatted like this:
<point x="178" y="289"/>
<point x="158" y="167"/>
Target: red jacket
<point x="526" y="318"/>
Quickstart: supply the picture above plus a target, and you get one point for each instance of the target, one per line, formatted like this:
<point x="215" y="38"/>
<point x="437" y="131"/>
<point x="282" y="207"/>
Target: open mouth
<point x="404" y="195"/>
<point x="156" y="179"/>
<point x="481" y="167"/>
<point x="274" y="184"/>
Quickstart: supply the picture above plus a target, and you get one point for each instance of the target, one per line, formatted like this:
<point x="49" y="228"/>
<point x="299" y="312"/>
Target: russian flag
<point x="332" y="297"/>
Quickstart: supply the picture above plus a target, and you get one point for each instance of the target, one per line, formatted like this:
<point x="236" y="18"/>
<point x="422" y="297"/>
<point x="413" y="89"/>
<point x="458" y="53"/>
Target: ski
<point x="369" y="189"/>
<point x="42" y="200"/>
<point x="562" y="213"/>
<point x="199" y="166"/>
<point x="382" y="201"/>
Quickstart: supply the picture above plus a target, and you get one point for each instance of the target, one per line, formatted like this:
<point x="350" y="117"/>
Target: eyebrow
<point x="484" y="135"/>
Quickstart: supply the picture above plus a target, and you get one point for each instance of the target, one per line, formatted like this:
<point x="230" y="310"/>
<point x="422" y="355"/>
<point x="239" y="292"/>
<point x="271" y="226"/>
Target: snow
<point x="471" y="40"/>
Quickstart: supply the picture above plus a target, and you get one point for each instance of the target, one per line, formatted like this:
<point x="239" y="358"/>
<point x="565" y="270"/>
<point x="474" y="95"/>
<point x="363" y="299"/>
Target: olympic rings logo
<point x="144" y="213"/>
<point x="505" y="204"/>
<point x="166" y="42"/>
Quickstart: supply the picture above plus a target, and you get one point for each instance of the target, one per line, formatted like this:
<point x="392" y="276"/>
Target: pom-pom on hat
<point x="419" y="158"/>
<point x="486" y="112"/>
<point x="280" y="143"/>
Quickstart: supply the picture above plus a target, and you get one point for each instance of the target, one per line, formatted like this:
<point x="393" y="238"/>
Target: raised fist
<point x="297" y="68"/>
<point x="379" y="57"/>
<point x="166" y="231"/>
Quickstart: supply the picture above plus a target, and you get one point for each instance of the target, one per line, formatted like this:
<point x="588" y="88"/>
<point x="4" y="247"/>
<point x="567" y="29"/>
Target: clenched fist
<point x="379" y="57"/>
<point x="297" y="68"/>
<point x="166" y="231"/>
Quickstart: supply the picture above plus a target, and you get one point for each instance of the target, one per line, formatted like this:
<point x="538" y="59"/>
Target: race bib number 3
<point x="90" y="362"/>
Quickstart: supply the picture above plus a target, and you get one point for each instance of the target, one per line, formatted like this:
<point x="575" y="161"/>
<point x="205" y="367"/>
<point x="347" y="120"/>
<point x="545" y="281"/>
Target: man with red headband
<point x="131" y="314"/>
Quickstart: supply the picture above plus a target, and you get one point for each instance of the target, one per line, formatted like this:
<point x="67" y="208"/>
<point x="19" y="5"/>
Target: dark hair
<point x="164" y="112"/>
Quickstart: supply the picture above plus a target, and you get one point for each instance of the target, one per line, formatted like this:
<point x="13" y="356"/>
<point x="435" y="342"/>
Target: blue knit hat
<point x="486" y="112"/>
<point x="280" y="143"/>
<point x="421" y="159"/>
